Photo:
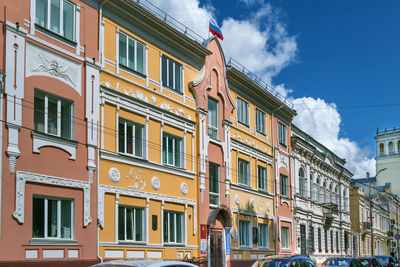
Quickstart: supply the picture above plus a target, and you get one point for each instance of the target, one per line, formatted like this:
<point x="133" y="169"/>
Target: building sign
<point x="397" y="236"/>
<point x="228" y="241"/>
<point x="203" y="246"/>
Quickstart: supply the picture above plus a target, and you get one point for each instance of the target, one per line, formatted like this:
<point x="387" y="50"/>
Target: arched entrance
<point x="217" y="221"/>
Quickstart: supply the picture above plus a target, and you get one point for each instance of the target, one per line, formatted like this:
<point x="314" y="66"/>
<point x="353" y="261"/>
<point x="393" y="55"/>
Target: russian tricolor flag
<point x="215" y="30"/>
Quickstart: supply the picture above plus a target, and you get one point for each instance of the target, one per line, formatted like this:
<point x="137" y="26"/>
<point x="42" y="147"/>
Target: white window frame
<point x="218" y="183"/>
<point x="59" y="115"/>
<point x="263" y="121"/>
<point x="265" y="178"/>
<point x="210" y="126"/>
<point x="285" y="235"/>
<point x="174" y="140"/>
<point x="286" y="187"/>
<point x="242" y="106"/>
<point x="143" y="226"/>
<point x="61" y="21"/>
<point x="282" y="133"/>
<point x="174" y="69"/>
<point x="45" y="234"/>
<point x="167" y="214"/>
<point x="263" y="237"/>
<point x="133" y="125"/>
<point x="135" y="62"/>
<point x="246" y="241"/>
<point x="301" y="181"/>
<point x="248" y="178"/>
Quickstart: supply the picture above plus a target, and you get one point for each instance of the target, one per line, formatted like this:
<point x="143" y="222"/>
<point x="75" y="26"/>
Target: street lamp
<point x="370" y="211"/>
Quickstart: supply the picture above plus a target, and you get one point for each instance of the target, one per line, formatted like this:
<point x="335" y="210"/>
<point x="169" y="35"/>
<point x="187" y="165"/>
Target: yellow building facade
<point x="147" y="204"/>
<point x="252" y="185"/>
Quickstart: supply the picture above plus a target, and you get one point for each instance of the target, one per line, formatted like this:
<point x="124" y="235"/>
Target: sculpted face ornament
<point x="184" y="188"/>
<point x="155" y="183"/>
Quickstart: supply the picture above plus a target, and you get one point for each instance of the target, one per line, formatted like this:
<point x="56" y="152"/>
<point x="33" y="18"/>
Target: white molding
<point x="42" y="140"/>
<point x="146" y="164"/>
<point x="251" y="191"/>
<point x="77" y="27"/>
<point x="23" y="177"/>
<point x="146" y="195"/>
<point x="252" y="213"/>
<point x="150" y="245"/>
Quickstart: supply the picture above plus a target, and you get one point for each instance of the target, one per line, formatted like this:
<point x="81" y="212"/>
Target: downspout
<point x="100" y="46"/>
<point x="276" y="174"/>
<point x="1" y="139"/>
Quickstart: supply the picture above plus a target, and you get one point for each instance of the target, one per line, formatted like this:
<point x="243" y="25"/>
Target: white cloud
<point x="262" y="44"/>
<point x="322" y="121"/>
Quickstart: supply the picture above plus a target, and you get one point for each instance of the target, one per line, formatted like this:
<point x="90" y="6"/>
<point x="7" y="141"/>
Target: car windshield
<point x="365" y="262"/>
<point x="274" y="263"/>
<point x="337" y="262"/>
<point x="383" y="260"/>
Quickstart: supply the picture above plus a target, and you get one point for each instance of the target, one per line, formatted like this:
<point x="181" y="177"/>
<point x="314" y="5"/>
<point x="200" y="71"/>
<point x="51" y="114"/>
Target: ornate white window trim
<point x="42" y="140"/>
<point x="140" y="194"/>
<point x="23" y="177"/>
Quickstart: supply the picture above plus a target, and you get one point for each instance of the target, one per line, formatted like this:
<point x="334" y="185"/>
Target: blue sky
<point x="339" y="61"/>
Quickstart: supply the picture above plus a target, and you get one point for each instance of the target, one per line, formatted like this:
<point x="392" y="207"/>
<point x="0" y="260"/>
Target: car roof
<point x="283" y="257"/>
<point x="142" y="263"/>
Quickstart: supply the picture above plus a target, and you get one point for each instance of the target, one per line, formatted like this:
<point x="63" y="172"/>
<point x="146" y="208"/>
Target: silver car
<point x="144" y="263"/>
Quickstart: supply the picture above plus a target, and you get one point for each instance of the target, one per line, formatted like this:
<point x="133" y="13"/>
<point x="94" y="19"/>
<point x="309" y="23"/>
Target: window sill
<point x="174" y="167"/>
<point x="55" y="35"/>
<point x="245" y="185"/>
<point x="214" y="206"/>
<point x="243" y="124"/>
<point x="214" y="140"/>
<point x="172" y="90"/>
<point x="174" y="244"/>
<point x="132" y="71"/>
<point x="261" y="133"/>
<point x="283" y="144"/>
<point x="131" y="156"/>
<point x="122" y="242"/>
<point x="41" y="140"/>
<point x="286" y="250"/>
<point x="51" y="242"/>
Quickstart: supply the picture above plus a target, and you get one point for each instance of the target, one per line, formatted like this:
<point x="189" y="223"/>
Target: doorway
<point x="216" y="248"/>
<point x="303" y="242"/>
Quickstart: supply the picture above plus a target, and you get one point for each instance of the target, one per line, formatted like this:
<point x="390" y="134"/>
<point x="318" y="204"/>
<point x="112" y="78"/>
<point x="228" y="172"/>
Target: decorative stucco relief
<point x="139" y="181"/>
<point x="155" y="183"/>
<point x="114" y="174"/>
<point x="184" y="188"/>
<point x="45" y="63"/>
<point x="139" y="95"/>
<point x="23" y="177"/>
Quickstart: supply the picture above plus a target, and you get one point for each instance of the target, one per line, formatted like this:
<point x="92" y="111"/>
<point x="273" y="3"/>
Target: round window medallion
<point x="184" y="188"/>
<point x="155" y="183"/>
<point x="114" y="174"/>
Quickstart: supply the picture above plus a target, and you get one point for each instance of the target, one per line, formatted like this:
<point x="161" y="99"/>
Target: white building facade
<point x="321" y="200"/>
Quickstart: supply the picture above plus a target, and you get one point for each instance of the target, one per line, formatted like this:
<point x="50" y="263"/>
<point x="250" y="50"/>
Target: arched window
<point x="330" y="194"/>
<point x="311" y="186"/>
<point x="324" y="188"/>
<point x="318" y="191"/>
<point x="391" y="148"/>
<point x="301" y="182"/>
<point x="381" y="149"/>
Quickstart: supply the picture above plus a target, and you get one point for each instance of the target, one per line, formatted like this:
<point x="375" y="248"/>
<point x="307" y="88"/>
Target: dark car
<point x="344" y="262"/>
<point x="370" y="262"/>
<point x="284" y="261"/>
<point x="386" y="261"/>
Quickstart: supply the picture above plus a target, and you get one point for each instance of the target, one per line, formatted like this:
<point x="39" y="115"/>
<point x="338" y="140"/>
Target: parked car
<point x="370" y="262"/>
<point x="344" y="262"/>
<point x="144" y="263"/>
<point x="386" y="261"/>
<point x="284" y="261"/>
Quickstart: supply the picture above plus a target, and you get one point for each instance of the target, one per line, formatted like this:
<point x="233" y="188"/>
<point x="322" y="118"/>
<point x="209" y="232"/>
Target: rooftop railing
<point x="233" y="63"/>
<point x="160" y="14"/>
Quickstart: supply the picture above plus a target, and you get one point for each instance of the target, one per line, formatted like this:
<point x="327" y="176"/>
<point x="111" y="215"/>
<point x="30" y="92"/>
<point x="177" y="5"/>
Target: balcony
<point x="366" y="225"/>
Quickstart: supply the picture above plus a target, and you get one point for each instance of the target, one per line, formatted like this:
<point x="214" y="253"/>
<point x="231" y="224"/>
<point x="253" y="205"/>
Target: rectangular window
<point x="244" y="233"/>
<point x="131" y="53"/>
<point x="172" y="150"/>
<point x="312" y="233"/>
<point x="319" y="240"/>
<point x="262" y="178"/>
<point x="212" y="118"/>
<point x="242" y="111"/>
<point x="130" y="138"/>
<point x="285" y="237"/>
<point x="171" y="74"/>
<point x="214" y="183"/>
<point x="260" y="121"/>
<point x="53" y="115"/>
<point x="243" y="172"/>
<point x="173" y="227"/>
<point x="337" y="240"/>
<point x="57" y="16"/>
<point x="284" y="186"/>
<point x="263" y="236"/>
<point x="346" y="240"/>
<point x="282" y="133"/>
<point x="52" y="218"/>
<point x="130" y="224"/>
<point x="331" y="240"/>
<point x="326" y="239"/>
